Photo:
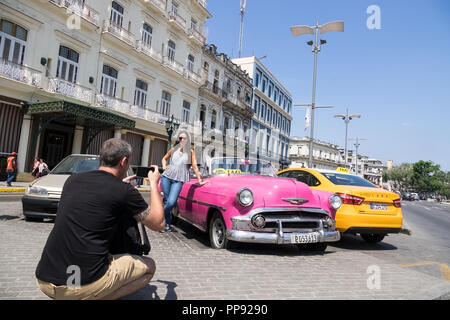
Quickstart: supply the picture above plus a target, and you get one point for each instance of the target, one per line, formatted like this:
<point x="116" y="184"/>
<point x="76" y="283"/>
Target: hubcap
<point x="218" y="232"/>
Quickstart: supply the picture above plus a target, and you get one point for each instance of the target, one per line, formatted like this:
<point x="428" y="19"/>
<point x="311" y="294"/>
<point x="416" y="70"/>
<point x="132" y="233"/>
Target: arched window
<point x="191" y="60"/>
<point x="67" y="64"/>
<point x="13" y="41"/>
<point x="147" y="33"/>
<point x="116" y="14"/>
<point x="171" y="50"/>
<point x="109" y="81"/>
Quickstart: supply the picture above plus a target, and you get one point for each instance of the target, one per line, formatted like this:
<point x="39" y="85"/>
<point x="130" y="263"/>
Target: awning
<point x="83" y="115"/>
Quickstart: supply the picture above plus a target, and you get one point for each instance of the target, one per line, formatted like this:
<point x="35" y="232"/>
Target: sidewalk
<point x="16" y="187"/>
<point x="20" y="187"/>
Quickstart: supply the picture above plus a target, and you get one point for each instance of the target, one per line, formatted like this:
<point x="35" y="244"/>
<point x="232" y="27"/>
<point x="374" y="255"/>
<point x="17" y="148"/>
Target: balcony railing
<point x="80" y="9"/>
<point x="174" y="65"/>
<point x="157" y="4"/>
<point x="215" y="89"/>
<point x="194" y="34"/>
<point x="20" y="73"/>
<point x="149" y="51"/>
<point x="112" y="103"/>
<point x="178" y="20"/>
<point x="70" y="89"/>
<point x="202" y="3"/>
<point x="191" y="75"/>
<point x="119" y="32"/>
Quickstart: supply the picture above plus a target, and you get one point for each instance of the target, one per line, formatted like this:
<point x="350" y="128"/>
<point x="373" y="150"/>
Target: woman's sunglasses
<point x="182" y="138"/>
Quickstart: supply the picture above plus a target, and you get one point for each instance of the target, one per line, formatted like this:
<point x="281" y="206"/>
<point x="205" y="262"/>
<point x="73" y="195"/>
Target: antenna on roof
<point x="241" y="34"/>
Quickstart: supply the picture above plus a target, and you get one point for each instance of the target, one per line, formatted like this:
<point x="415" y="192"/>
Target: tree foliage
<point x="421" y="177"/>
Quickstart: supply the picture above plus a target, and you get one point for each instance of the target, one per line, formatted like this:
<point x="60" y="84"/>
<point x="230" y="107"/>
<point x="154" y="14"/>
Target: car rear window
<point x="347" y="180"/>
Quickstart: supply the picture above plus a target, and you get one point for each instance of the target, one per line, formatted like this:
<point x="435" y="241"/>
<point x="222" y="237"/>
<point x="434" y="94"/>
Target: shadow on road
<point x="150" y="292"/>
<point x="354" y="242"/>
<point x="201" y="239"/>
<point x="8" y="217"/>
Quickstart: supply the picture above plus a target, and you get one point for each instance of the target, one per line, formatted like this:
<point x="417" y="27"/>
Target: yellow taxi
<point x="367" y="209"/>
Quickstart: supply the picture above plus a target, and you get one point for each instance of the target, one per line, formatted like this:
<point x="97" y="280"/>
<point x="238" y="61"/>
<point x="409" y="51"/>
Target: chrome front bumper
<point x="279" y="238"/>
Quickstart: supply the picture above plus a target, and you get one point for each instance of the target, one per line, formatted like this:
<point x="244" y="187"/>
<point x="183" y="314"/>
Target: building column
<point x="77" y="139"/>
<point x="117" y="133"/>
<point x="23" y="143"/>
<point x="145" y="151"/>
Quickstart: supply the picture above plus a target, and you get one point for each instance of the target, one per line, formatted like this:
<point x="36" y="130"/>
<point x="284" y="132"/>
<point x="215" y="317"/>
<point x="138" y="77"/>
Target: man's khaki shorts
<point x="123" y="269"/>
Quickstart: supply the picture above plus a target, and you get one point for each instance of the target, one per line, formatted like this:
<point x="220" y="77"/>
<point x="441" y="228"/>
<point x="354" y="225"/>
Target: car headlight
<point x="36" y="191"/>
<point x="245" y="197"/>
<point x="335" y="201"/>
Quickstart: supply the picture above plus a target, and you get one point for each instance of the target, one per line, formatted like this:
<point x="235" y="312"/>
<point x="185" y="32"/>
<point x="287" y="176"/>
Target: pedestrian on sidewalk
<point x="76" y="262"/>
<point x="35" y="166"/>
<point x="42" y="168"/>
<point x="182" y="157"/>
<point x="11" y="168"/>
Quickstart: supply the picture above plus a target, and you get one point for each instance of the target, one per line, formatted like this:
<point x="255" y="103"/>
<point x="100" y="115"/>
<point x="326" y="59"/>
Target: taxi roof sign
<point x="341" y="169"/>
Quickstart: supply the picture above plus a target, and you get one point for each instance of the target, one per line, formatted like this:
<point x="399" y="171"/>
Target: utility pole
<point x="346" y="119"/>
<point x="337" y="26"/>
<point x="241" y="33"/>
<point x="357" y="144"/>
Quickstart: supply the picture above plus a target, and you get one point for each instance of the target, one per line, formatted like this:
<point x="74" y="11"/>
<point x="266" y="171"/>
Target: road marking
<point x="445" y="270"/>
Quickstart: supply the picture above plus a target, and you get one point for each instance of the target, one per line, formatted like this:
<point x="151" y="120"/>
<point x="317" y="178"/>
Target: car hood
<point x="51" y="182"/>
<point x="270" y="190"/>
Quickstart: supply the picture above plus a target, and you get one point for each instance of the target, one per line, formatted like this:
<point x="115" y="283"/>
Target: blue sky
<point x="397" y="77"/>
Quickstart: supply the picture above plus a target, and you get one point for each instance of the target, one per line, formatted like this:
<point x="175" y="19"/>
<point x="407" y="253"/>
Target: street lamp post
<point x="357" y="144"/>
<point x="171" y="126"/>
<point x="337" y="26"/>
<point x="346" y="119"/>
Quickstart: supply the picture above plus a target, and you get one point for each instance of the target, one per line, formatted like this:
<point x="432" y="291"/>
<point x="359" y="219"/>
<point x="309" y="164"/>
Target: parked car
<point x="415" y="196"/>
<point x="406" y="196"/>
<point x="367" y="210"/>
<point x="244" y="201"/>
<point x="42" y="195"/>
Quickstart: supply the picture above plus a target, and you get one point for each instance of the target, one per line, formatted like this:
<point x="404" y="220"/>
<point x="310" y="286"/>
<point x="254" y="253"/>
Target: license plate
<point x="304" y="238"/>
<point x="378" y="206"/>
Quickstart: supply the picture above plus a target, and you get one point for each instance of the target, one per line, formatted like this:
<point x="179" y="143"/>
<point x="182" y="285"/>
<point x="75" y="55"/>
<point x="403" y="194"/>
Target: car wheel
<point x="218" y="232"/>
<point x="314" y="247"/>
<point x="372" y="237"/>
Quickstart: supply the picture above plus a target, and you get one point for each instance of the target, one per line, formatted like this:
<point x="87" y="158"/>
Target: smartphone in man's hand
<point x="142" y="172"/>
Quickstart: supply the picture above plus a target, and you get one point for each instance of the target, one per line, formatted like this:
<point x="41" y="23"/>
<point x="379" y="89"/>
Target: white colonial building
<point x="325" y="155"/>
<point x="74" y="73"/>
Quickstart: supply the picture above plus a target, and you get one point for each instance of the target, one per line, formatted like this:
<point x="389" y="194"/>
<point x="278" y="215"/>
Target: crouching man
<point x="76" y="263"/>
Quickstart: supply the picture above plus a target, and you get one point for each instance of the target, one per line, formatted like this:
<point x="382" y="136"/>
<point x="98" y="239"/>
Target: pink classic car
<point x="245" y="201"/>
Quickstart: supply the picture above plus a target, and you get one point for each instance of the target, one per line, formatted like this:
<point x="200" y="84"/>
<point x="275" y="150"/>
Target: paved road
<point x="187" y="268"/>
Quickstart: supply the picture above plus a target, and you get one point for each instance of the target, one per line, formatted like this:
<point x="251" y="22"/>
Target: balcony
<point x="118" y="32"/>
<point x="20" y="73"/>
<point x="149" y="51"/>
<point x="112" y="103"/>
<point x="208" y="86"/>
<point x="156" y="5"/>
<point x="177" y="20"/>
<point x="70" y="89"/>
<point x="138" y="111"/>
<point x="194" y="77"/>
<point x="202" y="3"/>
<point x="80" y="9"/>
<point x="173" y="65"/>
<point x="196" y="36"/>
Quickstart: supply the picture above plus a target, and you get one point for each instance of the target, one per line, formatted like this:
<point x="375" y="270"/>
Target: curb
<point x="12" y="189"/>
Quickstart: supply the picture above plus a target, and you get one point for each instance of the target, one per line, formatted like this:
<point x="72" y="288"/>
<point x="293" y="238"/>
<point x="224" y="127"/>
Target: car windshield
<point x="77" y="164"/>
<point x="347" y="180"/>
<point x="241" y="167"/>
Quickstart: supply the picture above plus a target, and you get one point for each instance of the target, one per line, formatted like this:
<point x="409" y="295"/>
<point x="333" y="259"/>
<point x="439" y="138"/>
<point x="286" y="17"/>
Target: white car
<point x="42" y="196"/>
